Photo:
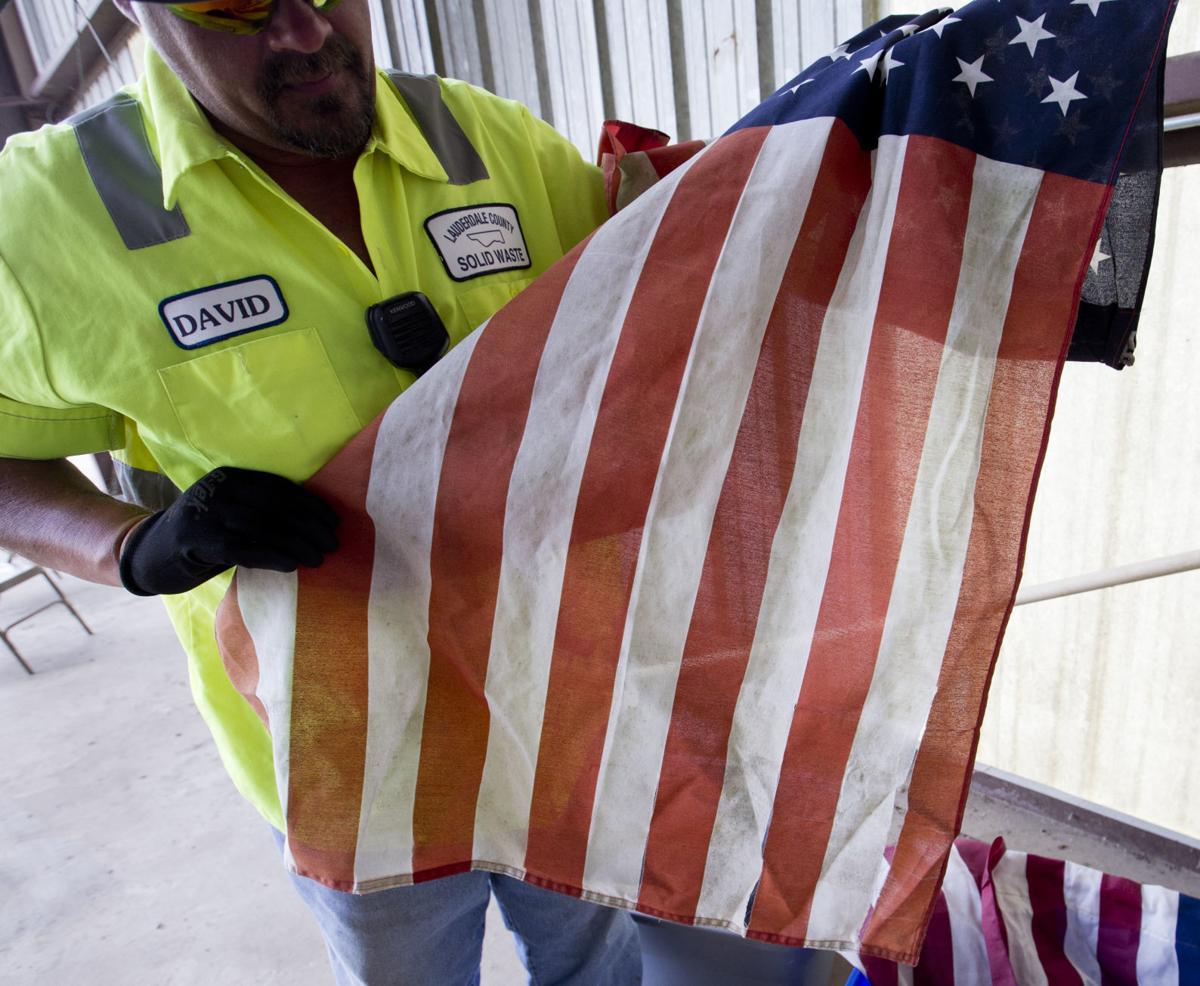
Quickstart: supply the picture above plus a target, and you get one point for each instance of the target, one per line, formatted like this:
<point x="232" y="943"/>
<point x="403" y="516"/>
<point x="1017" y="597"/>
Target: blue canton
<point x="1040" y="83"/>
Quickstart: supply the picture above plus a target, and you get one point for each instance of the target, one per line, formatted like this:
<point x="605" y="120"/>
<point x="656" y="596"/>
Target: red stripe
<point x="880" y="972"/>
<point x="992" y="917"/>
<point x="974" y="855"/>
<point x="1039" y="320"/>
<point x="936" y="967"/>
<point x="468" y="540"/>
<point x="1049" y="924"/>
<point x="329" y="678"/>
<point x="739" y="549"/>
<point x="667" y="159"/>
<point x="915" y="305"/>
<point x="1120" y="930"/>
<point x="618" y="481"/>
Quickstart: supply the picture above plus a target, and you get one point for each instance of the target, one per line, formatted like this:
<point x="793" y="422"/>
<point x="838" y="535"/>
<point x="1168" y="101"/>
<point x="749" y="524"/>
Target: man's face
<point x="304" y="84"/>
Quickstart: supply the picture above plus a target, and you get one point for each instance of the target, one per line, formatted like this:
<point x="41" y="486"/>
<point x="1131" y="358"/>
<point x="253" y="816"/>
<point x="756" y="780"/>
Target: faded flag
<point x="677" y="586"/>
<point x="1015" y="919"/>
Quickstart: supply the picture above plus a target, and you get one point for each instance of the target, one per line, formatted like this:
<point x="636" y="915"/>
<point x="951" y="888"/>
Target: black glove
<point x="229" y="517"/>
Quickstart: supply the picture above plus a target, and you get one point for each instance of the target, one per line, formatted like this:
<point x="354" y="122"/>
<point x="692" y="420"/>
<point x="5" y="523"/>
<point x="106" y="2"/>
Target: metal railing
<point x="1188" y="561"/>
<point x="1186" y="122"/>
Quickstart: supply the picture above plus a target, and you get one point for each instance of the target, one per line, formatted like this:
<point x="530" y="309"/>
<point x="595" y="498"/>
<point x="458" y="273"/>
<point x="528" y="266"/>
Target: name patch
<point x="478" y="240"/>
<point x="207" y="315"/>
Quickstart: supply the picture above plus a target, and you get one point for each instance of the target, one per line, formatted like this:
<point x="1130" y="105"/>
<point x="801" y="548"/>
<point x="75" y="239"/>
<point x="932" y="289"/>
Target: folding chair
<point x="25" y="576"/>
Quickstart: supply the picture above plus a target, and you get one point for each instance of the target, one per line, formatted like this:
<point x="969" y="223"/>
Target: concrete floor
<point x="126" y="856"/>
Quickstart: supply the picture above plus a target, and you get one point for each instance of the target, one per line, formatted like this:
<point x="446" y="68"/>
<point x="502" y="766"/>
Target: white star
<point x="941" y="25"/>
<point x="838" y="53"/>
<point x="1031" y="34"/>
<point x="1098" y="258"/>
<point x="890" y="63"/>
<point x="1064" y="93"/>
<point x="972" y="74"/>
<point x="908" y="30"/>
<point x="797" y="86"/>
<point x="869" y="64"/>
<point x="1093" y="5"/>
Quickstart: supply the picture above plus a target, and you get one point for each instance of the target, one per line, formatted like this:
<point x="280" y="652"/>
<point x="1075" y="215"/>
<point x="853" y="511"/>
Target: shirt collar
<point x="185" y="139"/>
<point x="396" y="134"/>
<point x="182" y="133"/>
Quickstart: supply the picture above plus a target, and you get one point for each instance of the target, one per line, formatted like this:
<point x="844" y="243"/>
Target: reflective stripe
<point x="112" y="139"/>
<point x="454" y="151"/>
<point x="116" y="150"/>
<point x="142" y="487"/>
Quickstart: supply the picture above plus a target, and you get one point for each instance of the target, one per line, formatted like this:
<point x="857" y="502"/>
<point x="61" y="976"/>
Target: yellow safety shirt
<point x="224" y="325"/>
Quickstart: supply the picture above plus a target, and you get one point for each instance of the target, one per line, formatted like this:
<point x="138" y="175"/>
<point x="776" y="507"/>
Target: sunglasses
<point x="233" y="16"/>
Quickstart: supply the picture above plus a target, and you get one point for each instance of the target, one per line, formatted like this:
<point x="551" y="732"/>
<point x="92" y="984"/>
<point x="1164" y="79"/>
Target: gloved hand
<point x="229" y="517"/>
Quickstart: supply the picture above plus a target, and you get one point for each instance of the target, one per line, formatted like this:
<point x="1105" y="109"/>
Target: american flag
<point x="678" y="585"/>
<point x="1015" y="919"/>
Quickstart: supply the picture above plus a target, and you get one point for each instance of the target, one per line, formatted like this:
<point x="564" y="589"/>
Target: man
<point x="184" y="278"/>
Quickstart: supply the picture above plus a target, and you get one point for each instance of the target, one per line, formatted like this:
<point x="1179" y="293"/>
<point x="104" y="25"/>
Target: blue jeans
<point x="431" y="934"/>
<point x="677" y="955"/>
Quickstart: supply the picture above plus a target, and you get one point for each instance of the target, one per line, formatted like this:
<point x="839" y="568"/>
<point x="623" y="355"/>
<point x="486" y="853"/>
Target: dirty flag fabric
<point x="677" y="586"/>
<point x="634" y="159"/>
<point x="1016" y="919"/>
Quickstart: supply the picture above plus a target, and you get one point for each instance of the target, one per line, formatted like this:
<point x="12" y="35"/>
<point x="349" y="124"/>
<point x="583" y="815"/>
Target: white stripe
<point x="1081" y="891"/>
<point x="1157" y="960"/>
<point x="963" y="903"/>
<point x="928" y="576"/>
<point x="698" y="449"/>
<point x="799" y="561"/>
<point x="401" y="498"/>
<point x="540" y="512"/>
<point x="854" y="959"/>
<point x="1012" y="896"/>
<point x="268" y="604"/>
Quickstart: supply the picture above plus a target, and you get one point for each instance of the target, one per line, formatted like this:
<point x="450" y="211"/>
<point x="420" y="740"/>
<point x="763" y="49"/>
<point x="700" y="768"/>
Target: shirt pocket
<point x="274" y="403"/>
<point x="481" y="302"/>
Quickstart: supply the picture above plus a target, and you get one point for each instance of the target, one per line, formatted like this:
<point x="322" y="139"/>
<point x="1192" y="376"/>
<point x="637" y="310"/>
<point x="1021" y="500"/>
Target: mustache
<point x="287" y="68"/>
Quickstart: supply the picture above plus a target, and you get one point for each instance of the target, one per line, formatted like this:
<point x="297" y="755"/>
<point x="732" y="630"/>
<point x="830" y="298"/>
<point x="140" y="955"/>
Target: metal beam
<point x="1181" y="148"/>
<point x="1181" y="98"/>
<point x="16" y="46"/>
<point x="18" y="102"/>
<point x="13" y="118"/>
<point x="61" y="78"/>
<point x="1182" y="88"/>
<point x="1062" y="812"/>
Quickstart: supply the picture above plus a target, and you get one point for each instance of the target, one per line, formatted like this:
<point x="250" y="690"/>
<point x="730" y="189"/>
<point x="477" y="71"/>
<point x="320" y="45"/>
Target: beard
<point x="332" y="124"/>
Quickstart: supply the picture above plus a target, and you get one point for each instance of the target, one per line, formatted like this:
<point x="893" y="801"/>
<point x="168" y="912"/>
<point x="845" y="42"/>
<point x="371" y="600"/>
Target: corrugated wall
<point x="51" y="28"/>
<point x="51" y="25"/>
<point x="688" y="67"/>
<point x="126" y="64"/>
